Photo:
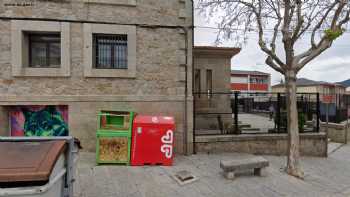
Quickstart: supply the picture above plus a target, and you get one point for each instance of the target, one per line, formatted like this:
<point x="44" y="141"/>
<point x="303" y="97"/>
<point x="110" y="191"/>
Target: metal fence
<point x="252" y="113"/>
<point x="334" y="107"/>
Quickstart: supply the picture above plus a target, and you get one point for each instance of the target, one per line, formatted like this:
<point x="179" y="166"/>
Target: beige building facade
<point x="309" y="86"/>
<point x="316" y="88"/>
<point x="212" y="88"/>
<point x="94" y="55"/>
<point x="326" y="90"/>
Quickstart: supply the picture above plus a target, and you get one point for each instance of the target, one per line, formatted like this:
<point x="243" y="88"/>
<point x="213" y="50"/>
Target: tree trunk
<point x="293" y="163"/>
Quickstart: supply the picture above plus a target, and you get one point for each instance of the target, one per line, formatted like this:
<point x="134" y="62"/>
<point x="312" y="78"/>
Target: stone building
<point x="92" y="55"/>
<point x="212" y="88"/>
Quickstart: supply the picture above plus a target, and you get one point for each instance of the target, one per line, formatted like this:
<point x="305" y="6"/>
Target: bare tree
<point x="289" y="20"/>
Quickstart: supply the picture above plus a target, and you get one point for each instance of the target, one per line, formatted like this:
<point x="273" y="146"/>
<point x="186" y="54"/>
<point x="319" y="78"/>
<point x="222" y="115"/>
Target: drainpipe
<point x="186" y="93"/>
<point x="186" y="30"/>
<point x="193" y="131"/>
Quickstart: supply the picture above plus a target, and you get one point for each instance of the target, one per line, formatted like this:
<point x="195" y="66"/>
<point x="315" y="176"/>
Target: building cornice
<point x="216" y="51"/>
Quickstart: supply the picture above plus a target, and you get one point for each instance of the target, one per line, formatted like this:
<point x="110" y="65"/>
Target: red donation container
<point x="152" y="140"/>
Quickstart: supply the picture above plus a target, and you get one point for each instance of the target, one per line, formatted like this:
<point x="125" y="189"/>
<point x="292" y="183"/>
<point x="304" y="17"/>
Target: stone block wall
<point x="83" y="119"/>
<point x="162" y="46"/>
<point x="312" y="144"/>
<point x="336" y="132"/>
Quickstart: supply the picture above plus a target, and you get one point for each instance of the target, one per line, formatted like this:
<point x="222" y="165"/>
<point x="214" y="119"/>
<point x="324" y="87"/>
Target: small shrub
<point x="283" y="121"/>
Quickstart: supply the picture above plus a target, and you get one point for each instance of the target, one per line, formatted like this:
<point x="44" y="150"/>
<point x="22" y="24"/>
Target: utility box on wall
<point x="114" y="137"/>
<point x="152" y="140"/>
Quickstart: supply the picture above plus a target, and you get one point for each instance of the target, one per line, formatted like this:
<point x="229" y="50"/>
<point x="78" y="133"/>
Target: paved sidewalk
<point x="324" y="177"/>
<point x="257" y="121"/>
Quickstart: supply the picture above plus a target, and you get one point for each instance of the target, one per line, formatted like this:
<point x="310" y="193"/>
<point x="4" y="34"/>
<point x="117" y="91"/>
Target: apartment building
<point x="250" y="81"/>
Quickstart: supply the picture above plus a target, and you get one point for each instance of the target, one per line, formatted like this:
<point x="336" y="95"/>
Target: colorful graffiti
<point x="39" y="120"/>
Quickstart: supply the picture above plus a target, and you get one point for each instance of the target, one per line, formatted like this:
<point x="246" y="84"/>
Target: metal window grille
<point x="111" y="51"/>
<point x="44" y="50"/>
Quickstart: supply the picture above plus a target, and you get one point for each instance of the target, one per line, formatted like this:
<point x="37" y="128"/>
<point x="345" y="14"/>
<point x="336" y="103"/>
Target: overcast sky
<point x="332" y="66"/>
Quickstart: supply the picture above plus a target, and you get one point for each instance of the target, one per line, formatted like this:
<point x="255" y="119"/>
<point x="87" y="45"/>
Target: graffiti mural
<point x="39" y="120"/>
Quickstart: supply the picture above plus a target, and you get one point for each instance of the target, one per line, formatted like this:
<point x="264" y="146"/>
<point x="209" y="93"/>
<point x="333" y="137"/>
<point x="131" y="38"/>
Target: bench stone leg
<point x="229" y="175"/>
<point x="260" y="172"/>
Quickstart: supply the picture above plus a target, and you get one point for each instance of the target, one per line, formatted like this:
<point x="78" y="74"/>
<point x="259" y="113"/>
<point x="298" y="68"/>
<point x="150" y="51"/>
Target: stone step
<point x="244" y="125"/>
<point x="309" y="123"/>
<point x="250" y="129"/>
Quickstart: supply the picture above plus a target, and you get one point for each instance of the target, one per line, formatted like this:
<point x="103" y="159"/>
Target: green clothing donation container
<point x="114" y="137"/>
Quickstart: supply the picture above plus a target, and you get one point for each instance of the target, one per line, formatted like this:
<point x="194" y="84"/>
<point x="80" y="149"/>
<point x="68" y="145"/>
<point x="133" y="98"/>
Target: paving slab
<point x="333" y="146"/>
<point x="323" y="177"/>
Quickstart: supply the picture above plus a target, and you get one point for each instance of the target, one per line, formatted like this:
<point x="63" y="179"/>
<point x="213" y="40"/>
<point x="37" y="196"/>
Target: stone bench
<point x="258" y="164"/>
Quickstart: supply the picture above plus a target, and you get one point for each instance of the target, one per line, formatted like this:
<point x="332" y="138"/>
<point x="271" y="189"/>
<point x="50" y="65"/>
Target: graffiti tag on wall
<point x="39" y="120"/>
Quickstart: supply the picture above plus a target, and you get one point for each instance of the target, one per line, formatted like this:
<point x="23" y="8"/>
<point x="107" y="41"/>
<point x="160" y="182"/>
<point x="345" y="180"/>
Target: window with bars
<point x="110" y="51"/>
<point x="44" y="50"/>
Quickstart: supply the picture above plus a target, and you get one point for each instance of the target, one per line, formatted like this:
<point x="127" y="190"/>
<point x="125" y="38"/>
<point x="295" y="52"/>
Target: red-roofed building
<point x="250" y="81"/>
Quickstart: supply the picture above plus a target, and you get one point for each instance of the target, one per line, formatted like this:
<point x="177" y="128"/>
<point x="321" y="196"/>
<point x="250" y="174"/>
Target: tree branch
<point x="262" y="43"/>
<point x="287" y="41"/>
<point x="325" y="42"/>
<point x="269" y="61"/>
<point x="300" y="22"/>
<point x="296" y="18"/>
<point x="313" y="53"/>
<point x="319" y="24"/>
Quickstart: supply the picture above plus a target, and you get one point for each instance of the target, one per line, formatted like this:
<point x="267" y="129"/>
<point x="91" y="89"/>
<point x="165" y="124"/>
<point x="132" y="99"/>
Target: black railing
<point x="236" y="113"/>
<point x="336" y="107"/>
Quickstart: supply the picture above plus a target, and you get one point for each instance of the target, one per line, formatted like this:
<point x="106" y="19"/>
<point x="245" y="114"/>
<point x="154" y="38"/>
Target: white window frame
<point x="89" y="70"/>
<point x="20" y="47"/>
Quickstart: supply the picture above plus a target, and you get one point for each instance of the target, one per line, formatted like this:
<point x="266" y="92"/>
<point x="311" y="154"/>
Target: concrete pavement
<point x="323" y="177"/>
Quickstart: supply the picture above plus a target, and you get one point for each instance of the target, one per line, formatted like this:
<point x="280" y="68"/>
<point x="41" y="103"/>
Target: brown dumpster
<point x="26" y="165"/>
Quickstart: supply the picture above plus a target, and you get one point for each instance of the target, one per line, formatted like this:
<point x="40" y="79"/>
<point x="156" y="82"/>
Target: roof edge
<point x="211" y="50"/>
<point x="249" y="72"/>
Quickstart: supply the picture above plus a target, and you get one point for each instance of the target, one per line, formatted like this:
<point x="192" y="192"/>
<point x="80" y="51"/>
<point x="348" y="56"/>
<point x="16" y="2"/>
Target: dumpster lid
<point x="28" y="161"/>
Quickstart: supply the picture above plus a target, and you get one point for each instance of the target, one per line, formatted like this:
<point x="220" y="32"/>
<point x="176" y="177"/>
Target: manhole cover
<point x="184" y="177"/>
